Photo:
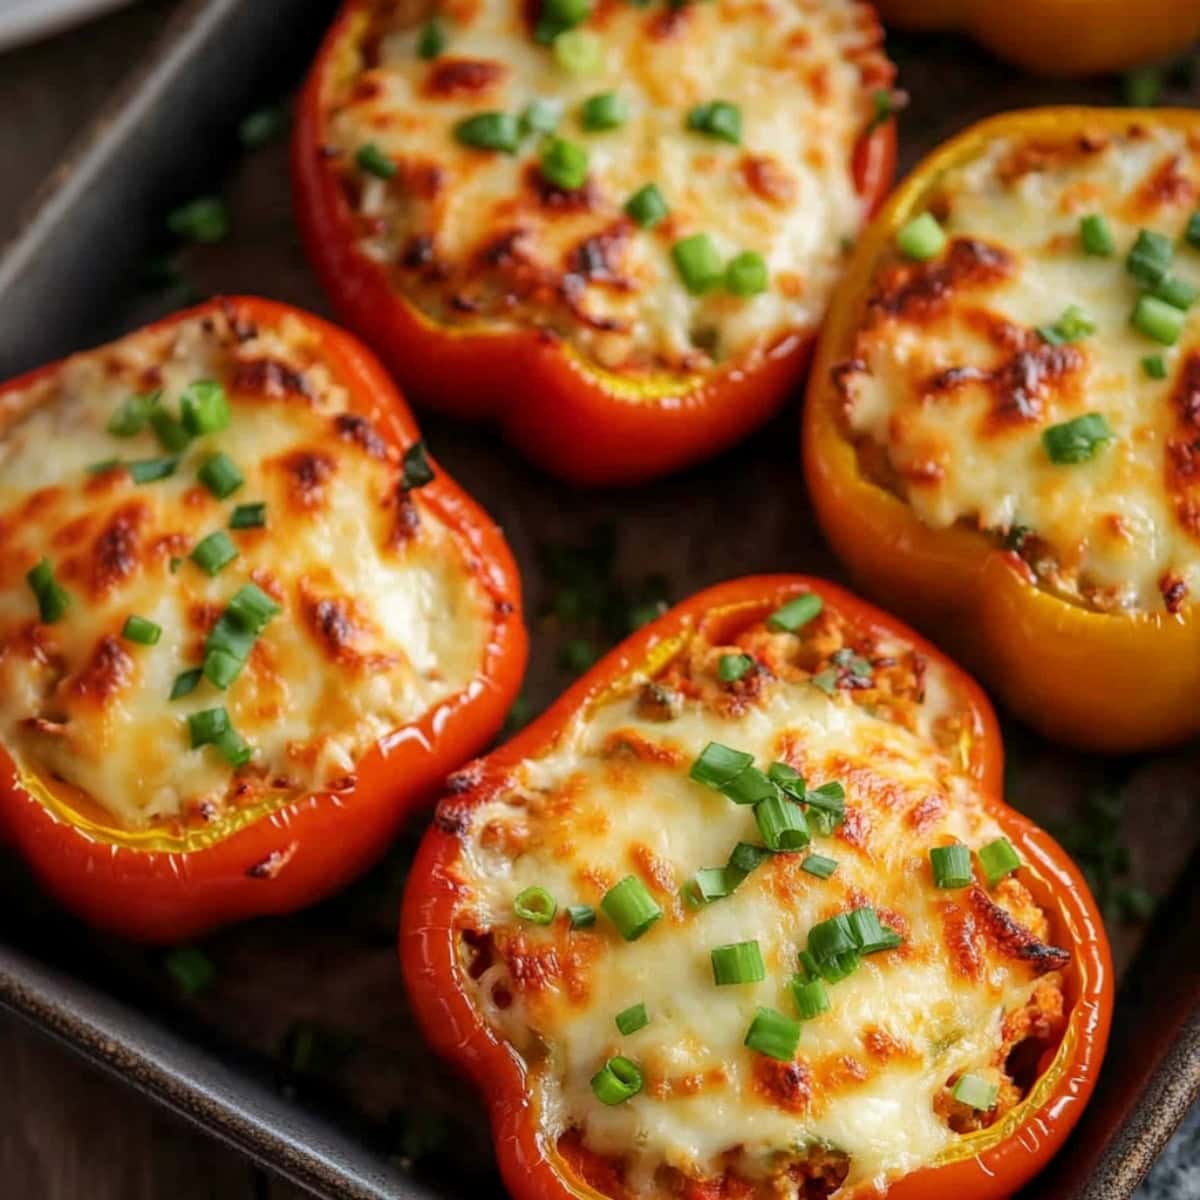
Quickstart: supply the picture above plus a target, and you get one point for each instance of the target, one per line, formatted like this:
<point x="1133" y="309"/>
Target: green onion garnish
<point x="749" y="787"/>
<point x="214" y="552"/>
<point x="718" y="765"/>
<point x="204" y="407"/>
<point x="830" y="797"/>
<point x="103" y="466"/>
<point x="870" y="935"/>
<point x="1175" y="291"/>
<point x="1070" y="327"/>
<point x="220" y="476"/>
<point x="796" y="613"/>
<point x="698" y="262"/>
<point x="221" y="668"/>
<point x="204" y="220"/>
<point x="579" y="52"/>
<point x="607" y="110"/>
<point x="541" y="116"/>
<point x="633" y="1018"/>
<point x="717" y="119"/>
<point x="431" y="41"/>
<point x="773" y="1034"/>
<point x="191" y="969"/>
<point x="564" y="164"/>
<point x="1191" y="234"/>
<point x="581" y="916"/>
<point x="535" y="904"/>
<point x="249" y="516"/>
<point x="630" y="907"/>
<point x="740" y="962"/>
<point x="787" y="778"/>
<point x="1149" y="259"/>
<point x="186" y="682"/>
<point x="998" y="859"/>
<point x="133" y="414"/>
<point x="1155" y="366"/>
<point x="617" y="1081"/>
<point x="371" y="160"/>
<point x="975" y="1092"/>
<point x="559" y="15"/>
<point x="1096" y="236"/>
<point x="1078" y="440"/>
<point x="714" y="883"/>
<point x="781" y="823"/>
<point x="417" y="471"/>
<point x="52" y="598"/>
<point x="1142" y="88"/>
<point x="811" y="998"/>
<point x="647" y="206"/>
<point x="141" y="631"/>
<point x="922" y="238"/>
<point x="149" y="470"/>
<point x="1158" y="320"/>
<point x="169" y="430"/>
<point x="951" y="866"/>
<point x="746" y="857"/>
<point x="731" y="667"/>
<point x="885" y="106"/>
<point x="819" y="865"/>
<point x="211" y="727"/>
<point x="231" y="639"/>
<point x="490" y="131"/>
<point x="746" y="274"/>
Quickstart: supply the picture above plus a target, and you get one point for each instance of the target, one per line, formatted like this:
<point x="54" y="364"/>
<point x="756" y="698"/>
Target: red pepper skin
<point x="570" y="420"/>
<point x="531" y="1169"/>
<point x="164" y="896"/>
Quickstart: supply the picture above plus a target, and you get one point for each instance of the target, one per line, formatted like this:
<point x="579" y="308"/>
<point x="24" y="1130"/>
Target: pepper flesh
<point x="1059" y="37"/>
<point x="1110" y="682"/>
<point x="993" y="1164"/>
<point x="573" y="419"/>
<point x="152" y="886"/>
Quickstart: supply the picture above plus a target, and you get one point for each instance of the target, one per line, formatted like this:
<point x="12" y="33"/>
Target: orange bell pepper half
<point x="567" y="415"/>
<point x="438" y="938"/>
<point x="1059" y="37"/>
<point x="172" y="881"/>
<point x="1113" y="681"/>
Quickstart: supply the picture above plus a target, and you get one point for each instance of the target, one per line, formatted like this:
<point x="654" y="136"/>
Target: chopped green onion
<point x="647" y="206"/>
<point x="214" y="552"/>
<point x="829" y="939"/>
<point x="370" y="159"/>
<point x="234" y="747"/>
<point x="1142" y="87"/>
<point x="869" y="934"/>
<point x="819" y="865"/>
<point x="1070" y="327"/>
<point x="221" y="668"/>
<point x="1096" y="236"/>
<point x="773" y="1034"/>
<point x="630" y="907"/>
<point x="204" y="220"/>
<point x="1191" y="234"/>
<point x="1155" y="366"/>
<point x="824" y="822"/>
<point x="715" y="883"/>
<point x="781" y="823"/>
<point x="490" y="131"/>
<point x="431" y="41"/>
<point x="749" y="787"/>
<point x="731" y="667"/>
<point x="922" y="238"/>
<point x="1175" y="291"/>
<point x="831" y="797"/>
<point x="417" y="471"/>
<point x="231" y="639"/>
<point x="951" y="866"/>
<point x="564" y="164"/>
<point x="186" y="682"/>
<point x="52" y="598"/>
<point x="808" y="966"/>
<point x="249" y="516"/>
<point x="1149" y="259"/>
<point x="535" y="904"/>
<point x="220" y="476"/>
<point x="541" y="116"/>
<point x="717" y="119"/>
<point x="746" y="274"/>
<point x="633" y="1018"/>
<point x="788" y="778"/>
<point x="746" y="857"/>
<point x="796" y="613"/>
<point x="559" y="15"/>
<point x="204" y="407"/>
<point x="739" y="962"/>
<point x="191" y="969"/>
<point x="207" y="725"/>
<point x="103" y="466"/>
<point x="579" y="52"/>
<point x="169" y="430"/>
<point x="148" y="470"/>
<point x="975" y="1092"/>
<point x="253" y="607"/>
<point x="1158" y="320"/>
<point x="998" y="859"/>
<point x="264" y="125"/>
<point x="811" y="998"/>
<point x="617" y="1081"/>
<point x="133" y="414"/>
<point x="885" y="106"/>
<point x="718" y="765"/>
<point x="141" y="631"/>
<point x="581" y="916"/>
<point x="607" y="110"/>
<point x="698" y="262"/>
<point x="1078" y="440"/>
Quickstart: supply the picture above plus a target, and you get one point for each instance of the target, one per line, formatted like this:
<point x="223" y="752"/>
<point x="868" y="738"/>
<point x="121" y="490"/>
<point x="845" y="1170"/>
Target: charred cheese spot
<point x="864" y="1101"/>
<point x="948" y="386"/>
<point x="367" y="641"/>
<point x="804" y="75"/>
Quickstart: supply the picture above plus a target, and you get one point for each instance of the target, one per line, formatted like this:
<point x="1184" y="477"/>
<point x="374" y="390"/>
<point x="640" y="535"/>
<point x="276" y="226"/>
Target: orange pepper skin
<point x="531" y="1167"/>
<point x="320" y="841"/>
<point x="571" y="419"/>
<point x="1059" y="37"/>
<point x="1110" y="682"/>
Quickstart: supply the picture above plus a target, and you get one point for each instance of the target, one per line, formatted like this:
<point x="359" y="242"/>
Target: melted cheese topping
<point x="954" y="385"/>
<point x="477" y="237"/>
<point x="381" y="619"/>
<point x="613" y="797"/>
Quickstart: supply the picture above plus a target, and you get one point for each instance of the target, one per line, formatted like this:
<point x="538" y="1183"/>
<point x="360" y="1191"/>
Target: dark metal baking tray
<point x="75" y="275"/>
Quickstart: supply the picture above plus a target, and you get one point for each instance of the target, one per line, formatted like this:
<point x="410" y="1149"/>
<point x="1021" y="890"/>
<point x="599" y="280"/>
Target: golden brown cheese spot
<point x="268" y="378"/>
<point x="456" y="77"/>
<point x="307" y="472"/>
<point x="116" y="552"/>
<point x="964" y="943"/>
<point x="353" y="428"/>
<point x="786" y="1085"/>
<point x="342" y="630"/>
<point x="109" y="670"/>
<point x="919" y="293"/>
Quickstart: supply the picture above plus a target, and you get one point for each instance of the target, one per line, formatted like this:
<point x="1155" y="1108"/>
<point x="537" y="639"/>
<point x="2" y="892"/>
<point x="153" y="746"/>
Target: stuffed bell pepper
<point x="610" y="229"/>
<point x="743" y="915"/>
<point x="246" y="622"/>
